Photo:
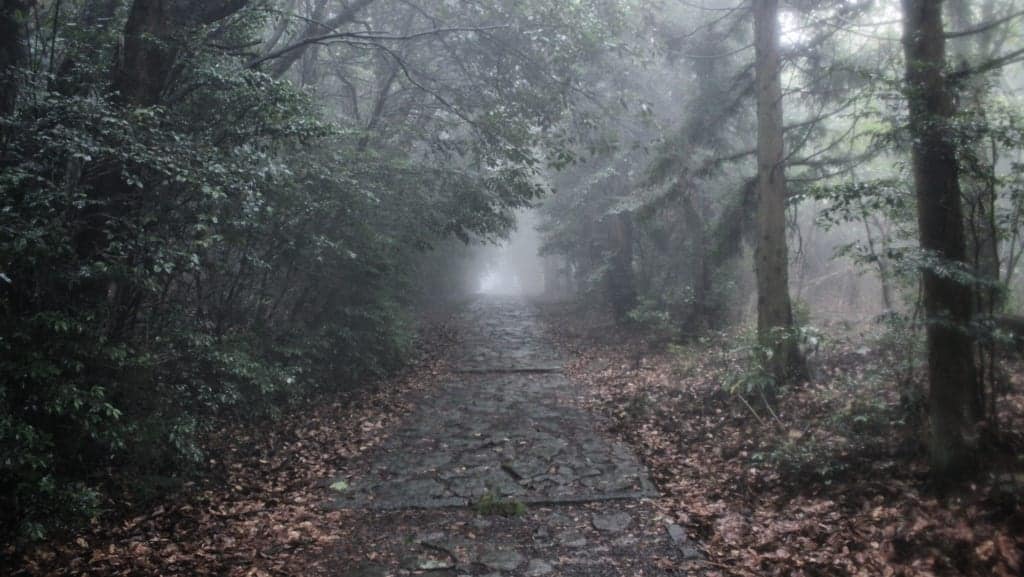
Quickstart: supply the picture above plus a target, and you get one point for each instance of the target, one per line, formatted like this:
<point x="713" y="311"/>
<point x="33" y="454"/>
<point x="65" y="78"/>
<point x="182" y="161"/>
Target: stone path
<point x="504" y="335"/>
<point x="501" y="473"/>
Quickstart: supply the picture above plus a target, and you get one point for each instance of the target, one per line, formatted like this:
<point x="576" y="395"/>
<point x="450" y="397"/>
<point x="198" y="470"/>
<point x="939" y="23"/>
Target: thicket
<point x="215" y="237"/>
<point x="662" y="225"/>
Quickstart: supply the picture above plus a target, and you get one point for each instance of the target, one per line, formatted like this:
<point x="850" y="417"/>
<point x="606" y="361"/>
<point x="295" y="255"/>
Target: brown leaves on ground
<point x="259" y="512"/>
<point x="832" y="482"/>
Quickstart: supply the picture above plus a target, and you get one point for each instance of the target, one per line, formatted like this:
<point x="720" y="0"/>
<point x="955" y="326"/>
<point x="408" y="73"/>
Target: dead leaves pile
<point x="874" y="515"/>
<point x="261" y="514"/>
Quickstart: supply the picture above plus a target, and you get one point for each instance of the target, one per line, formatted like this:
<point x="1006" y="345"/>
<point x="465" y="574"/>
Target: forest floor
<point x="831" y="482"/>
<point x="479" y="461"/>
<point x="543" y="441"/>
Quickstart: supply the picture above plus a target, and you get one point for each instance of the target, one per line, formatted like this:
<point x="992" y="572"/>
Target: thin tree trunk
<point x="621" y="289"/>
<point x="774" y="309"/>
<point x="953" y="403"/>
<point x="697" y="317"/>
<point x="13" y="52"/>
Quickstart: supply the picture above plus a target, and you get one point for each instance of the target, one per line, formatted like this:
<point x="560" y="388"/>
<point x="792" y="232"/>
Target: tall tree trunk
<point x="951" y="372"/>
<point x="621" y="289"/>
<point x="979" y="184"/>
<point x="13" y="52"/>
<point x="980" y="191"/>
<point x="152" y="38"/>
<point x="774" y="310"/>
<point x="697" y="318"/>
<point x="148" y="54"/>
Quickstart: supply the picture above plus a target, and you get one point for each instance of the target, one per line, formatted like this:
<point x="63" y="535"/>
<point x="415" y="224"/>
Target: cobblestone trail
<point x="509" y="429"/>
<point x="506" y="430"/>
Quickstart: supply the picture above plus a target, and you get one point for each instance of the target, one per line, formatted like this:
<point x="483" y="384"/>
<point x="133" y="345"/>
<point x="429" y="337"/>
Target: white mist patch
<point x="514" y="267"/>
<point x="500" y="282"/>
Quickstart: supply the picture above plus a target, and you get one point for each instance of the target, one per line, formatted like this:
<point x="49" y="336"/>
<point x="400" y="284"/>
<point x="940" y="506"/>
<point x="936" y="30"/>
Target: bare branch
<point x="344" y="37"/>
<point x="985" y="26"/>
<point x="291" y="54"/>
<point x="990" y="65"/>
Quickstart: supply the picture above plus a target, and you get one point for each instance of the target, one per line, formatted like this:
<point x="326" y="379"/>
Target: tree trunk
<point x="148" y="54"/>
<point x="13" y="52"/>
<point x="152" y="39"/>
<point x="953" y="403"/>
<point x="621" y="289"/>
<point x="774" y="310"/>
<point x="697" y="319"/>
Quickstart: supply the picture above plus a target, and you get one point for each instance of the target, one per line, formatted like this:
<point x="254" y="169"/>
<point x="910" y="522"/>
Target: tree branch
<point x="290" y="54"/>
<point x="989" y="65"/>
<point x="357" y="36"/>
<point x="984" y="26"/>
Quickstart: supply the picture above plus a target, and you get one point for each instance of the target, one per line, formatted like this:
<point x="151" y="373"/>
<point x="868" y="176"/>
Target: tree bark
<point x="698" y="316"/>
<point x="952" y="381"/>
<point x="621" y="289"/>
<point x="13" y="52"/>
<point x="152" y="39"/>
<point x="771" y="259"/>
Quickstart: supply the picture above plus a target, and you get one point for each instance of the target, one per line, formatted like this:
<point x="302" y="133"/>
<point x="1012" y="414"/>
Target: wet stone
<point x="516" y="435"/>
<point x="571" y="538"/>
<point x="627" y="541"/>
<point x="501" y="559"/>
<point x="525" y="468"/>
<point x="538" y="567"/>
<point x="676" y="533"/>
<point x="612" y="522"/>
<point x="367" y="570"/>
<point x="679" y="538"/>
<point x="468" y="487"/>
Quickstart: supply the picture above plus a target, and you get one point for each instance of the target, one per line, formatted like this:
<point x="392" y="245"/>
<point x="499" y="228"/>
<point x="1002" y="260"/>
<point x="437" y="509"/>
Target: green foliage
<point x="649" y="315"/>
<point x="757" y="377"/>
<point x="803" y="458"/>
<point x="492" y="504"/>
<point x="223" y="254"/>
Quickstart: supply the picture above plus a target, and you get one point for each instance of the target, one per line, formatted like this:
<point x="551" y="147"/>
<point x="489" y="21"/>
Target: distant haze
<point x="514" y="267"/>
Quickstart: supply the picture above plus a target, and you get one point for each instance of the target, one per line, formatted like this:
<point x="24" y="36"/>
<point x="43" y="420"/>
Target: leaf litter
<point x="830" y="485"/>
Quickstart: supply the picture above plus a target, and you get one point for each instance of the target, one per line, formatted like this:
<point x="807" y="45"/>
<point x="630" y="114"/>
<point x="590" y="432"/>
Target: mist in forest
<point x="790" y="231"/>
<point x="514" y="267"/>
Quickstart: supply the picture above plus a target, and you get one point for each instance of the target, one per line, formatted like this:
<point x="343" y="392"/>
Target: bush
<point x="166" y="266"/>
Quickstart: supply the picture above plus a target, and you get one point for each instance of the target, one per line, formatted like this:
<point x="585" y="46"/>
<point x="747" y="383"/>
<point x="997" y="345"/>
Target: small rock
<point x="367" y="570"/>
<point x="571" y="538"/>
<point x="430" y="537"/>
<point x="434" y="564"/>
<point x="612" y="522"/>
<point x="538" y="567"/>
<point x="676" y="533"/>
<point x="501" y="559"/>
<point x="690" y="552"/>
<point x="679" y="538"/>
<point x="558" y="519"/>
<point x="627" y="541"/>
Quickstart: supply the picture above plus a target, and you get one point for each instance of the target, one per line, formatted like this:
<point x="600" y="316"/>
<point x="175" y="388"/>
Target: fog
<point x="515" y="266"/>
<point x="220" y="211"/>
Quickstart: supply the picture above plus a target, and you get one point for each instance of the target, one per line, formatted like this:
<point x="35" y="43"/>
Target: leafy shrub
<point x="652" y="317"/>
<point x="225" y="254"/>
<point x="492" y="504"/>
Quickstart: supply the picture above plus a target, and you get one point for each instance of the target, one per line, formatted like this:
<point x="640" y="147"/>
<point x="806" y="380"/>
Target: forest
<point x="368" y="288"/>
